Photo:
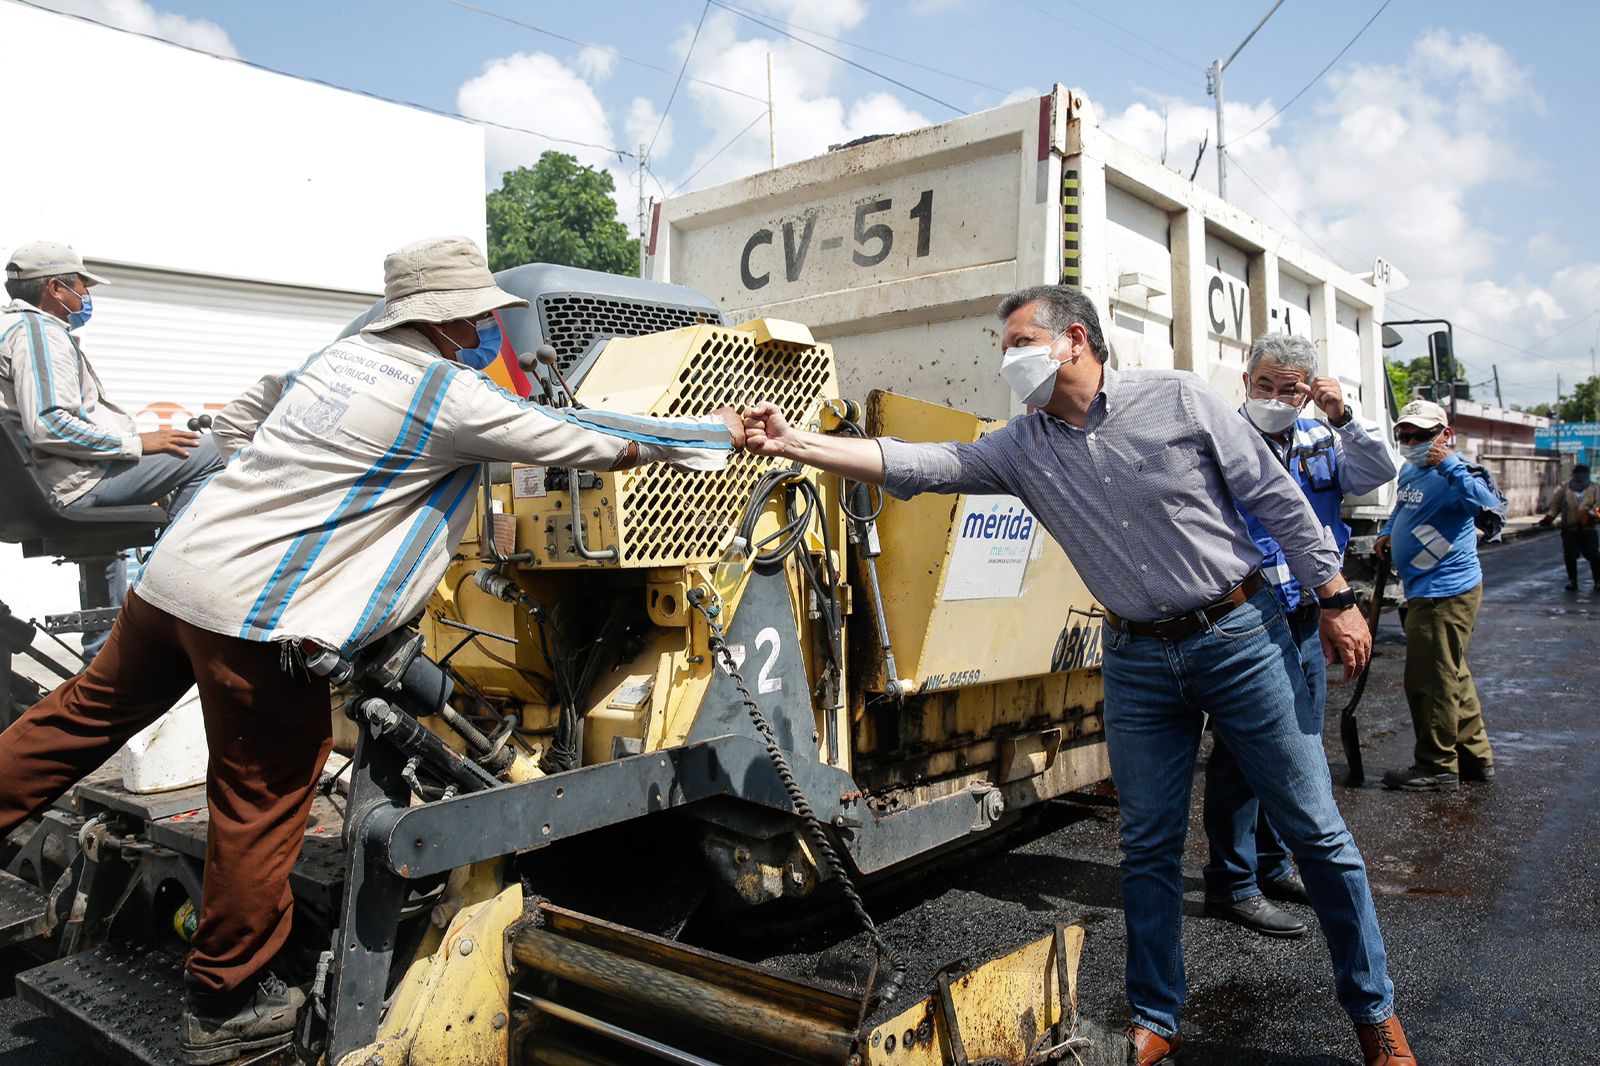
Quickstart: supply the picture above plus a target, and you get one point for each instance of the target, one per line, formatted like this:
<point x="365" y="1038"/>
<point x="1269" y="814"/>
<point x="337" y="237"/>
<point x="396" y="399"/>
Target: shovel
<point x="1349" y="732"/>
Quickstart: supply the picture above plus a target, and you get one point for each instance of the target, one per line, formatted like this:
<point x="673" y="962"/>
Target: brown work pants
<point x="268" y="731"/>
<point x="1444" y="701"/>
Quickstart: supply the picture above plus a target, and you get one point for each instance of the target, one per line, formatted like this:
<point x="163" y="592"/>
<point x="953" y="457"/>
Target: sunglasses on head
<point x="1417" y="438"/>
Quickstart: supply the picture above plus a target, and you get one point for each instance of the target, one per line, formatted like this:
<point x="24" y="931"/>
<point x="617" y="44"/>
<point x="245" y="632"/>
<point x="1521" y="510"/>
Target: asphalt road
<point x="1488" y="898"/>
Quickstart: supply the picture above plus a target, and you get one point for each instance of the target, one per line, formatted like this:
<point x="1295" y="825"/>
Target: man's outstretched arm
<point x="904" y="469"/>
<point x="767" y="432"/>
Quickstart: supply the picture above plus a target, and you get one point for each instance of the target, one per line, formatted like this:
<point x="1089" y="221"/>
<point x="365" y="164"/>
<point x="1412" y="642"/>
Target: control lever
<point x="197" y="424"/>
<point x="547" y="356"/>
<point x="529" y="364"/>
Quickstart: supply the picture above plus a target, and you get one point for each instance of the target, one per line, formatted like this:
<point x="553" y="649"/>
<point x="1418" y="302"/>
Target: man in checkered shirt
<point x="1140" y="475"/>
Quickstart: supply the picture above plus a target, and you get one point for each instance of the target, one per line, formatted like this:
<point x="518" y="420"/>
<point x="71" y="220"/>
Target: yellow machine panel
<point x="975" y="590"/>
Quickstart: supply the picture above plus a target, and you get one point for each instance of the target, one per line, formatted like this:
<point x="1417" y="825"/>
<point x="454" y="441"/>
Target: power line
<point x="874" y="51"/>
<point x="1286" y="212"/>
<point x="1316" y="79"/>
<point x="843" y="59"/>
<point x="1130" y="33"/>
<point x="328" y="84"/>
<point x="1186" y="79"/>
<point x="704" y="11"/>
<point x="718" y="152"/>
<point x="599" y="48"/>
<point x="1490" y="337"/>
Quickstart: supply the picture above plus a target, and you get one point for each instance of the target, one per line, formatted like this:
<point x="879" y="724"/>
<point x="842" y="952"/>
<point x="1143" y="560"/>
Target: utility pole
<point x="1214" y="87"/>
<point x="1498" y="402"/>
<point x="772" y="122"/>
<point x="642" y="149"/>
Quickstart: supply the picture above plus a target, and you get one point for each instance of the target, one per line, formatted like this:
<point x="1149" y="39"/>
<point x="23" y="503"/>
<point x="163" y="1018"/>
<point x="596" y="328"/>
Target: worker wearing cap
<point x="349" y="488"/>
<point x="88" y="449"/>
<point x="1577" y="504"/>
<point x="1432" y="537"/>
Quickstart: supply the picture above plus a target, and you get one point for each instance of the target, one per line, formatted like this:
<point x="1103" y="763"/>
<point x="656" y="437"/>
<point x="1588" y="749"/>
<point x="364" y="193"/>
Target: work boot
<point x="1150" y="1047"/>
<point x="1385" y="1044"/>
<point x="221" y="1028"/>
<point x="1286" y="889"/>
<point x="1481" y="773"/>
<point x="1572" y="586"/>
<point x="1258" y="916"/>
<point x="1421" y="779"/>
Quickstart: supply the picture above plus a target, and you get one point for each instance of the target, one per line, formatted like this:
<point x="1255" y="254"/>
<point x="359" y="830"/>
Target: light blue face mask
<point x="79" y="318"/>
<point x="1416" y="454"/>
<point x="488" y="349"/>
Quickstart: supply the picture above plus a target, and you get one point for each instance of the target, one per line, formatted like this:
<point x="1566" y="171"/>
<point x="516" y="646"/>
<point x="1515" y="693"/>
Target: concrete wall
<point x="159" y="156"/>
<point x="1529" y="481"/>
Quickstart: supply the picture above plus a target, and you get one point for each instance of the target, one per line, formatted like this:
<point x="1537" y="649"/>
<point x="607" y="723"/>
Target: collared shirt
<point x="350" y="483"/>
<point x="1144" y="498"/>
<point x="1326" y="461"/>
<point x="49" y="391"/>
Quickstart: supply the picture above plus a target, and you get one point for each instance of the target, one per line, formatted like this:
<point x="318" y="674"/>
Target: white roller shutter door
<point x="169" y="345"/>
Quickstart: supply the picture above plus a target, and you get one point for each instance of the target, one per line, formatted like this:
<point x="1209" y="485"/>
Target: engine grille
<point x="669" y="517"/>
<point x="571" y="321"/>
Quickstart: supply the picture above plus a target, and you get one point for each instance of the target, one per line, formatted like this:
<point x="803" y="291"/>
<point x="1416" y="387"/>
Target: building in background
<point x="241" y="216"/>
<point x="1507" y="443"/>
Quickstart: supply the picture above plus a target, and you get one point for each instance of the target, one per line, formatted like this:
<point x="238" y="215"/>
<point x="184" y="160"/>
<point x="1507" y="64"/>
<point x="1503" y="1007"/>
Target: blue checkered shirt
<point x="1144" y="498"/>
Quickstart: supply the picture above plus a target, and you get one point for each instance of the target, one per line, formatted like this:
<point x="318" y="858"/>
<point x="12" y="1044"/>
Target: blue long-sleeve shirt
<point x="1434" y="540"/>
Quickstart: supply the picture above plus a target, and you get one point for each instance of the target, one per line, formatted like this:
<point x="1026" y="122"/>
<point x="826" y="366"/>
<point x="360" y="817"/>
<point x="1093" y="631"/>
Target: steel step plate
<point x="124" y="1000"/>
<point x="22" y="909"/>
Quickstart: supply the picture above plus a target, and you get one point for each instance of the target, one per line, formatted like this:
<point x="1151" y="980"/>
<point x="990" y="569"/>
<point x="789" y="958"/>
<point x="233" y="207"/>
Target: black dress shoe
<point x="1286" y="889"/>
<point x="1258" y="916"/>
<point x="1419" y="779"/>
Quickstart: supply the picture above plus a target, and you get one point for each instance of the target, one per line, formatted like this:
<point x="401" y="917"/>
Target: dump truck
<point x="638" y="702"/>
<point x="897" y="252"/>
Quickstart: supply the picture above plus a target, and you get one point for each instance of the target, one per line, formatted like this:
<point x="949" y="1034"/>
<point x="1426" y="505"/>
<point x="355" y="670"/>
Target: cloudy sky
<point x="1456" y="140"/>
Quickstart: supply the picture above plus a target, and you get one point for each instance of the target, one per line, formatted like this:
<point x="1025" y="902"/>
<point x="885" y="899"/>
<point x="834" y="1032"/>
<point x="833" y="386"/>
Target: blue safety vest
<point x="1313" y="461"/>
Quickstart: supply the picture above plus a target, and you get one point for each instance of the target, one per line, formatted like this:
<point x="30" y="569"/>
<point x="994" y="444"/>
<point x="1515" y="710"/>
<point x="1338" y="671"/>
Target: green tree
<point x="1584" y="403"/>
<point x="558" y="211"/>
<point x="1399" y="381"/>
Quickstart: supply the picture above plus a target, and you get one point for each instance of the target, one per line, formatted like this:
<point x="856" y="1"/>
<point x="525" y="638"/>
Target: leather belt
<point x="1187" y="625"/>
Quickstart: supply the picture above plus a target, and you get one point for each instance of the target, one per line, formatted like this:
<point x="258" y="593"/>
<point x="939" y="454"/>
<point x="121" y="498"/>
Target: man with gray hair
<point x="88" y="448"/>
<point x="1139" y="476"/>
<point x="1327" y="457"/>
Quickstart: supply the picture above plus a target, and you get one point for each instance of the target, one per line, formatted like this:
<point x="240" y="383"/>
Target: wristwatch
<point x="1349" y="413"/>
<point x="1345" y="597"/>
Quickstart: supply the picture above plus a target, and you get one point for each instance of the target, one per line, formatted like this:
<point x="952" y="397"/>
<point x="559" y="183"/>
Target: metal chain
<point x="819" y="837"/>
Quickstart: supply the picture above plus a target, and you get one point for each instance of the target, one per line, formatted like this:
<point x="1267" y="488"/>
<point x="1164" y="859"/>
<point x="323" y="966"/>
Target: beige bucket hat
<point x="437" y="280"/>
<point x="47" y="259"/>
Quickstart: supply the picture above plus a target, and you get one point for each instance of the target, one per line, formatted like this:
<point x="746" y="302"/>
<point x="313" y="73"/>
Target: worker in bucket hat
<point x="349" y="489"/>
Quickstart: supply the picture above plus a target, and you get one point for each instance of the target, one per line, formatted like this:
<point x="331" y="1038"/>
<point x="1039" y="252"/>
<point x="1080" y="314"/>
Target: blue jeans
<point x="1245" y="671"/>
<point x="149" y="479"/>
<point x="1243" y="843"/>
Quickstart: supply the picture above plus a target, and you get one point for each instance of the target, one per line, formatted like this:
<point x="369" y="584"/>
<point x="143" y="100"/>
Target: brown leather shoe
<point x="1150" y="1048"/>
<point x="1385" y="1044"/>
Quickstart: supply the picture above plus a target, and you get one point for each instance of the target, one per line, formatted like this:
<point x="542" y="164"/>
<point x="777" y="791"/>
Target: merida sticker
<point x="994" y="537"/>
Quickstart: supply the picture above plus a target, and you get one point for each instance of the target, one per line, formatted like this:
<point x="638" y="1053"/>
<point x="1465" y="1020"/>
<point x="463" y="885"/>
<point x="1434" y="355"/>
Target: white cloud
<point x="536" y="91"/>
<point x="810" y="111"/>
<point x="641" y="124"/>
<point x="140" y="17"/>
<point x="596" y="64"/>
<point x="1391" y="160"/>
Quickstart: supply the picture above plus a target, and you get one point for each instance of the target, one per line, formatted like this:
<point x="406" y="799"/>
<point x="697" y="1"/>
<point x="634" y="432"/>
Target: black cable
<point x="797" y="797"/>
<point x="1314" y="80"/>
<point x="674" y="94"/>
<point x="843" y="59"/>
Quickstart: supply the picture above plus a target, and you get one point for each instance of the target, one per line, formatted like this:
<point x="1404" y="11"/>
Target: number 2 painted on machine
<point x="765" y="682"/>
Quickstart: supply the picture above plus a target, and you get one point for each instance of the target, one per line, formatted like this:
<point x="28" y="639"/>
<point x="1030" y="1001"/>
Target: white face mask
<point x="1031" y="372"/>
<point x="1270" y="416"/>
